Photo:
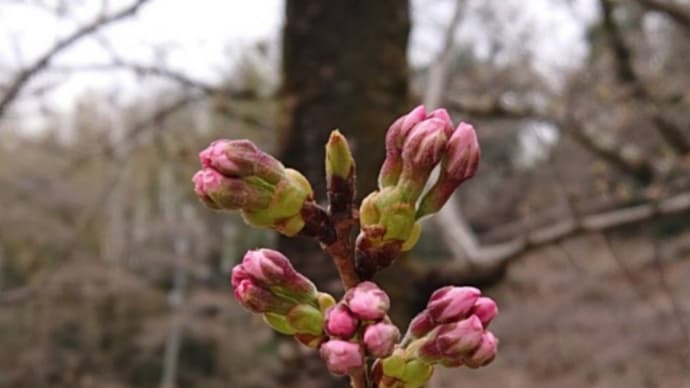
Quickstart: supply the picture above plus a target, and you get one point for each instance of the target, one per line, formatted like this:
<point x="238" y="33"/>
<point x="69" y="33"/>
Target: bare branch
<point x="43" y="61"/>
<point x="673" y="10"/>
<point x="674" y="136"/>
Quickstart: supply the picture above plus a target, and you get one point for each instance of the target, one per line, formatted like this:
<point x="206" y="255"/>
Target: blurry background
<point x="112" y="275"/>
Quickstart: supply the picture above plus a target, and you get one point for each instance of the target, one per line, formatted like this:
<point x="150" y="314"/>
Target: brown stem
<point x="341" y="195"/>
<point x="359" y="379"/>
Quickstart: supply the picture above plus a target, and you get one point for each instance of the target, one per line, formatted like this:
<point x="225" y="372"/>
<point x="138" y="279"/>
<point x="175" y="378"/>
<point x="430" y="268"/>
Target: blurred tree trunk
<point x="344" y="66"/>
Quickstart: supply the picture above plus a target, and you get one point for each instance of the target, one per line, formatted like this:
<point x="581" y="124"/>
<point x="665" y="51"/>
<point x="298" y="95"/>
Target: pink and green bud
<point x="260" y="300"/>
<point x="279" y="323"/>
<point x="485" y="352"/>
<point x="340" y="322"/>
<point x="220" y="192"/>
<point x="421" y="324"/>
<point x="274" y="271"/>
<point x="339" y="161"/>
<point x="236" y="175"/>
<point x="241" y="158"/>
<point x="396" y="137"/>
<point x="342" y="357"/>
<point x="461" y="338"/>
<point x="367" y="301"/>
<point x="306" y="319"/>
<point x="422" y="151"/>
<point x="450" y="304"/>
<point x="485" y="309"/>
<point x="459" y="164"/>
<point x="380" y="339"/>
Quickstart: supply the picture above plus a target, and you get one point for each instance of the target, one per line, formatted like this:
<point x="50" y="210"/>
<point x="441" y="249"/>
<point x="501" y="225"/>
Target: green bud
<point x="339" y="160"/>
<point x="325" y="301"/>
<point x="394" y="365"/>
<point x="279" y="323"/>
<point x="306" y="319"/>
<point x="417" y="373"/>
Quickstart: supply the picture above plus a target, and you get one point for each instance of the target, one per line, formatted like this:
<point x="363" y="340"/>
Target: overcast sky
<point x="203" y="37"/>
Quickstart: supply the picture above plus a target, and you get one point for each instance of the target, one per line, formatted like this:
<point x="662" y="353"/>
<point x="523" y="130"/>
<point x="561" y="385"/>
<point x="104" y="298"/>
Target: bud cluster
<point x="358" y="327"/>
<point x="266" y="283"/>
<point x="451" y="331"/>
<point x="236" y="175"/>
<point x="415" y="144"/>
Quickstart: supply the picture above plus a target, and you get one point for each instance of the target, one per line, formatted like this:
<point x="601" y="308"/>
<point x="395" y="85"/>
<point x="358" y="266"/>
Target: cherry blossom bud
<point x="460" y="338"/>
<point x="273" y="270"/>
<point x="241" y="158"/>
<point x="220" y="192"/>
<point x="340" y="322"/>
<point x="421" y="324"/>
<point x="422" y="150"/>
<point x="367" y="301"/>
<point x="380" y="339"/>
<point x="459" y="164"/>
<point x="449" y="304"/>
<point x="236" y="175"/>
<point x="485" y="353"/>
<point x="342" y="357"/>
<point x="260" y="300"/>
<point x="395" y="138"/>
<point x="485" y="309"/>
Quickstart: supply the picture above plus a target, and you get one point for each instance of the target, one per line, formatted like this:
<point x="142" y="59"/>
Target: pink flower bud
<point x="342" y="357"/>
<point x="462" y="153"/>
<point x="460" y="338"/>
<point x="397" y="135"/>
<point x="449" y="304"/>
<point x="220" y="192"/>
<point x="423" y="149"/>
<point x="459" y="164"/>
<point x="367" y="301"/>
<point x="241" y="158"/>
<point x="485" y="353"/>
<point x="422" y="324"/>
<point x="260" y="300"/>
<point x="485" y="309"/>
<point x="237" y="275"/>
<point x="380" y="339"/>
<point x="272" y="269"/>
<point x="340" y="322"/>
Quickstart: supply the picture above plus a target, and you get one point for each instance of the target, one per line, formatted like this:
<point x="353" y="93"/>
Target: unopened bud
<point x="260" y="300"/>
<point x="380" y="339"/>
<point x="485" y="309"/>
<point x="241" y="158"/>
<point x="339" y="162"/>
<point x="460" y="338"/>
<point x="449" y="304"/>
<point x="395" y="138"/>
<point x="422" y="150"/>
<point x="342" y="357"/>
<point x="272" y="269"/>
<point x="220" y="192"/>
<point x="485" y="353"/>
<point x="340" y="322"/>
<point x="459" y="164"/>
<point x="421" y="324"/>
<point x="367" y="301"/>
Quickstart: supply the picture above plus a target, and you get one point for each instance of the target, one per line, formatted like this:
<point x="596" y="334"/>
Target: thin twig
<point x="43" y="61"/>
